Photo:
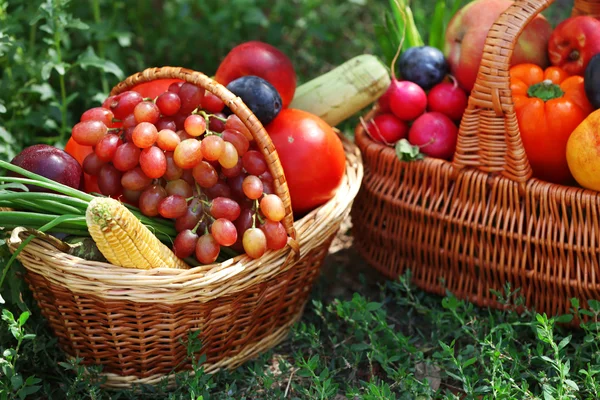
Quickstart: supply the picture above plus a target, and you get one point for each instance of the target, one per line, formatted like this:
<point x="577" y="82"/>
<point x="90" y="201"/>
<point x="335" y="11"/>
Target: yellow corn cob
<point x="124" y="240"/>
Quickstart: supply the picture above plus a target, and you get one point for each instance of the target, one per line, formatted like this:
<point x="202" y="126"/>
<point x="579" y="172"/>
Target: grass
<point x="369" y="338"/>
<point x="361" y="336"/>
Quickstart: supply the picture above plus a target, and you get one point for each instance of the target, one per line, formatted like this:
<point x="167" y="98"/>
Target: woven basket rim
<point x="113" y="282"/>
<point x="572" y="193"/>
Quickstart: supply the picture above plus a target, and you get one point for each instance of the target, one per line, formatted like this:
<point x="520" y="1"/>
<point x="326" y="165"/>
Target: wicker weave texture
<point x="481" y="221"/>
<point x="133" y="321"/>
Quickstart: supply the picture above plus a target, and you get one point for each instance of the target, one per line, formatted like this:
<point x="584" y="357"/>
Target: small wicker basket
<point x="135" y="323"/>
<point x="482" y="221"/>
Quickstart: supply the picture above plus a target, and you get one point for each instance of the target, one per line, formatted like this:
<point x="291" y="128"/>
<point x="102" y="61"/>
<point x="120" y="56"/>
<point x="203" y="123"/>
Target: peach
<point x="467" y="32"/>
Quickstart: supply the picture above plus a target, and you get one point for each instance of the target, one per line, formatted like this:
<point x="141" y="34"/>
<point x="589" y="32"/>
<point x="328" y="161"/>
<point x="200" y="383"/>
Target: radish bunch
<point x="427" y="120"/>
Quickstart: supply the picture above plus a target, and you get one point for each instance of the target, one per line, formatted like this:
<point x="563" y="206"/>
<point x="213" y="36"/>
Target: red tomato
<point x="154" y="88"/>
<point x="312" y="157"/>
<point x="79" y="153"/>
<point x="263" y="60"/>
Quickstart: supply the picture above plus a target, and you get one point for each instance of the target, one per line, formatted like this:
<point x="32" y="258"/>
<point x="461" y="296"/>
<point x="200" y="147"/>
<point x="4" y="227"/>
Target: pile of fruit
<point x="168" y="160"/>
<point x="555" y="82"/>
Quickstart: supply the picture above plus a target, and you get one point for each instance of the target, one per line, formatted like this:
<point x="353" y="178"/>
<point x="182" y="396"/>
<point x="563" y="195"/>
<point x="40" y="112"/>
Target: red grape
<point x="255" y="242"/>
<point x="132" y="196"/>
<point x="135" y="179"/>
<point x="167" y="140"/>
<point x="235" y="123"/>
<point x="146" y="111"/>
<point x="205" y="174"/>
<point x="194" y="125"/>
<point x="168" y="103"/>
<point x="150" y="199"/>
<point x="126" y="157"/>
<point x="224" y="232"/>
<point x="272" y="207"/>
<point x="223" y="207"/>
<point x="191" y="217"/>
<point x="244" y="221"/>
<point x="191" y="96"/>
<point x="275" y="234"/>
<point x="144" y="135"/>
<point x="172" y="206"/>
<point x="128" y="135"/>
<point x="129" y="122"/>
<point x="184" y="244"/>
<point x="166" y="123"/>
<point x="229" y="158"/>
<point x="173" y="171"/>
<point x="212" y="147"/>
<point x="234" y="171"/>
<point x="215" y="124"/>
<point x="101" y="114"/>
<point x="220" y="189"/>
<point x="123" y="104"/>
<point x="254" y="162"/>
<point x="180" y="187"/>
<point x="92" y="164"/>
<point x="179" y="120"/>
<point x="153" y="162"/>
<point x="252" y="187"/>
<point x="88" y="133"/>
<point x="107" y="146"/>
<point x="268" y="187"/>
<point x="175" y="86"/>
<point x="237" y="139"/>
<point x="108" y="101"/>
<point x="188" y="176"/>
<point x="188" y="153"/>
<point x="207" y="249"/>
<point x="212" y="103"/>
<point x="109" y="181"/>
<point x="235" y="184"/>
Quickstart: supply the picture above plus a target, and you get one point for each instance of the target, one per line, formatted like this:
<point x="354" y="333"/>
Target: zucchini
<point x="345" y="90"/>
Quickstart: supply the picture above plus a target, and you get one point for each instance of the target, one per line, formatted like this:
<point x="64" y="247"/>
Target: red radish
<point x="407" y="99"/>
<point x="384" y="101"/>
<point x="449" y="99"/>
<point x="387" y="128"/>
<point x="435" y="134"/>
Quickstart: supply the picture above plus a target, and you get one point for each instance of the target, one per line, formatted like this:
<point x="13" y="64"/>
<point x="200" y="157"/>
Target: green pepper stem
<point x="545" y="90"/>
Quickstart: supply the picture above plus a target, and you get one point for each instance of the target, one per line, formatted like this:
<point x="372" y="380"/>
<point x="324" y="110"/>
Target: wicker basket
<point x="135" y="323"/>
<point x="481" y="221"/>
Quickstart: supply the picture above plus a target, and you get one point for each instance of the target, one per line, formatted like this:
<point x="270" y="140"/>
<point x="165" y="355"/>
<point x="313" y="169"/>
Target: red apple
<point x="467" y="32"/>
<point x="573" y="43"/>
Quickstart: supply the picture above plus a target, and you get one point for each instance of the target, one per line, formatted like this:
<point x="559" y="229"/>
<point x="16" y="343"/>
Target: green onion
<point x="66" y="200"/>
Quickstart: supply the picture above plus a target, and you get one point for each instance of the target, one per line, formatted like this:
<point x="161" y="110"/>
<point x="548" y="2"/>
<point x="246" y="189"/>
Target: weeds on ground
<point x="399" y="343"/>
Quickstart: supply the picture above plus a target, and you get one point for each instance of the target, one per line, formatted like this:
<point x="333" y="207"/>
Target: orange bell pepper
<point x="549" y="105"/>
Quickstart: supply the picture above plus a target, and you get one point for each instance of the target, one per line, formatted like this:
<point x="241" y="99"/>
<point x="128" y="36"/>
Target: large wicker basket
<point x="481" y="221"/>
<point x="135" y="323"/>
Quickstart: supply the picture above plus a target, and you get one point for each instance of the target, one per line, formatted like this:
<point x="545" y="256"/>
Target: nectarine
<point x="467" y="32"/>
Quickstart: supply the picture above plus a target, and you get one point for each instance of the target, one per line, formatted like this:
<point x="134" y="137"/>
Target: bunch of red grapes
<point x="180" y="157"/>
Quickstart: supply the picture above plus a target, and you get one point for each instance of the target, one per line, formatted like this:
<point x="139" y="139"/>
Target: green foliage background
<point x="60" y="57"/>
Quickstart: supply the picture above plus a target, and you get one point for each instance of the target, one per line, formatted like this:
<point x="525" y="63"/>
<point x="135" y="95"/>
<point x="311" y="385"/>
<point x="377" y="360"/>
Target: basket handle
<point x="237" y="106"/>
<point x="586" y="7"/>
<point x="488" y="137"/>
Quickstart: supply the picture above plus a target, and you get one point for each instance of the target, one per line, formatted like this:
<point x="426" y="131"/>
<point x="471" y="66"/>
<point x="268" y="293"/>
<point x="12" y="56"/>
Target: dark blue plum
<point x="259" y="95"/>
<point x="592" y="81"/>
<point x="424" y="65"/>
